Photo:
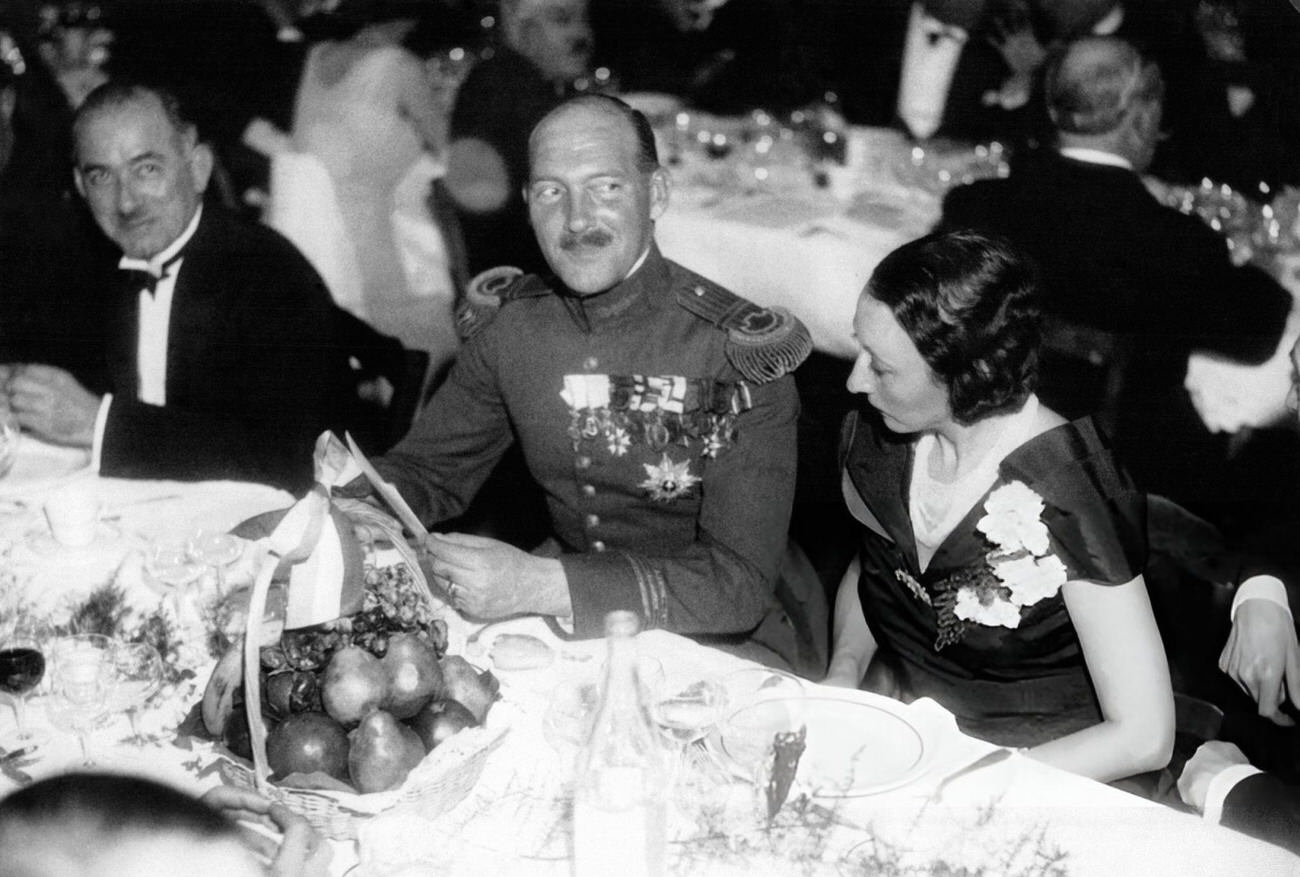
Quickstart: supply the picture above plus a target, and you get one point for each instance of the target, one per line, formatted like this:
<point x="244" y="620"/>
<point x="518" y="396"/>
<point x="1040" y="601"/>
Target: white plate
<point x="40" y="465"/>
<point x="859" y="744"/>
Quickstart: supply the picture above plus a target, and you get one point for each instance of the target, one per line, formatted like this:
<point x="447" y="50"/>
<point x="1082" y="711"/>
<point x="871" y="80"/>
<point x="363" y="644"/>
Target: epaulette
<point x="762" y="343"/>
<point x="488" y="291"/>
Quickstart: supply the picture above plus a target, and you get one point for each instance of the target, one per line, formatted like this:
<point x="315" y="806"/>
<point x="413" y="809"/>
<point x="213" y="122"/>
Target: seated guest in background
<point x="728" y="57"/>
<point x="937" y="68"/>
<point x="52" y="257"/>
<point x="220" y="335"/>
<point x="1000" y="563"/>
<point x="546" y="44"/>
<point x="106" y="825"/>
<point x="655" y="409"/>
<point x="1155" y="284"/>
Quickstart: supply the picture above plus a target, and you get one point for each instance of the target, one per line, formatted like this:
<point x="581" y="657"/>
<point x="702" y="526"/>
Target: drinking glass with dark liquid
<point x="22" y="666"/>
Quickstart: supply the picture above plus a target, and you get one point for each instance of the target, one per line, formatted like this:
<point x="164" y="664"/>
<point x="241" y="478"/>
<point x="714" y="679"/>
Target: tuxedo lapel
<point x="123" y="330"/>
<point x="197" y="310"/>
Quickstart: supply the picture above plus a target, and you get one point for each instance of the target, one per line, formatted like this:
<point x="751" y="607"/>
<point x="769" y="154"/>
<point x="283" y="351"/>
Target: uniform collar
<point x="644" y="288"/>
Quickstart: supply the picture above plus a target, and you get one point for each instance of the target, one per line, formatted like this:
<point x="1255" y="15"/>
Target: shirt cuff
<point x="97" y="441"/>
<point x="1261" y="588"/>
<point x="1221" y="785"/>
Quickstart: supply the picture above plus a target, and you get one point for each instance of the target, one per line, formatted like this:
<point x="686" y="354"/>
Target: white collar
<point x="1095" y="156"/>
<point x="640" y="261"/>
<point x="155" y="265"/>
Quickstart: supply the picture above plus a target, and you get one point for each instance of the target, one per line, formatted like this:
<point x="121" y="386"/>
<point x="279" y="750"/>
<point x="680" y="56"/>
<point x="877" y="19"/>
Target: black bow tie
<point x="142" y="279"/>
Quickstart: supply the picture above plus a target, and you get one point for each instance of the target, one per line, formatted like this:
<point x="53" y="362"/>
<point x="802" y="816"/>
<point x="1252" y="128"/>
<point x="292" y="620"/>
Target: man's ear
<point x="659" y="190"/>
<point x="200" y="162"/>
<point x="79" y="181"/>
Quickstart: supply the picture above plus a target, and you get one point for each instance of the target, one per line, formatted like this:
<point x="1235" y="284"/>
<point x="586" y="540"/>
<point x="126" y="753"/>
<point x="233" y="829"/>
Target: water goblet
<point x="22" y="666"/>
<point x="82" y="678"/>
<point x="216" y="551"/>
<point x="749" y="737"/>
<point x="138" y="669"/>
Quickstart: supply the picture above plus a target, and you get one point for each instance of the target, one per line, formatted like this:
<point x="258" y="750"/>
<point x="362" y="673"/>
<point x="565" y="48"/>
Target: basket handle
<point x="266" y="566"/>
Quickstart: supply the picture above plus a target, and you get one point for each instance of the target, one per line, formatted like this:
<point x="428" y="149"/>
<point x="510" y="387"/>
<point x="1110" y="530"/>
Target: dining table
<point x="882" y="787"/>
<point x="758" y="210"/>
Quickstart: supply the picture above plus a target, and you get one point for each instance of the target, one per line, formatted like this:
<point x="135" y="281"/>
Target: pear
<point x="439" y="720"/>
<point x="464" y="684"/>
<point x="414" y="676"/>
<point x="354" y="685"/>
<point x="382" y="752"/>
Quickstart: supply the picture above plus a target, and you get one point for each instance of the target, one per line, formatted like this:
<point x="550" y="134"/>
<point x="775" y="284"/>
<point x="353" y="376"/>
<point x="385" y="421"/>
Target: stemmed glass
<point x="82" y="678"/>
<point x="138" y="670"/>
<point x="22" y="666"/>
<point x="686" y="715"/>
<point x="750" y="732"/>
<point x="215" y="550"/>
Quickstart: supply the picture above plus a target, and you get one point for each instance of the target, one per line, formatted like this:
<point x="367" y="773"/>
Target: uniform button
<point x="583" y="462"/>
<point x="590" y="363"/>
<point x="588" y="490"/>
<point x="598" y="546"/>
<point x="699" y="291"/>
<point x="593" y="521"/>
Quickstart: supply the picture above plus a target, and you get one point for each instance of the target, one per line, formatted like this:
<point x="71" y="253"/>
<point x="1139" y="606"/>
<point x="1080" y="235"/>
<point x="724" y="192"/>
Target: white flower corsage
<point x="1020" y="571"/>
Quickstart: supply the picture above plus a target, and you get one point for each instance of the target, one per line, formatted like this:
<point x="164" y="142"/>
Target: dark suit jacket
<point x="1113" y="258"/>
<point x="1263" y="806"/>
<point x="252" y="365"/>
<point x="867" y="45"/>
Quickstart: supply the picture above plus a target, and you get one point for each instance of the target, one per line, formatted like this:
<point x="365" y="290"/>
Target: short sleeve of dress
<point x="1095" y="514"/>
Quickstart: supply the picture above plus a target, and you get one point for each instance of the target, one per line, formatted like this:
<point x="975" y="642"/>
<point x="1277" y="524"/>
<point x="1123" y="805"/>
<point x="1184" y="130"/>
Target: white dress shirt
<point x="154" y="323"/>
<point x="930" y="59"/>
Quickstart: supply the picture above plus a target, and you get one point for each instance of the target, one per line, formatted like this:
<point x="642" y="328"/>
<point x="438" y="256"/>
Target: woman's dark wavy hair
<point x="969" y="302"/>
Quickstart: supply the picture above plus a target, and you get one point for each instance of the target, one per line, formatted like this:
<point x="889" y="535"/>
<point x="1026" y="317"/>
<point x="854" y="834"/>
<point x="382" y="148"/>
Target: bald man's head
<point x="1096" y="81"/>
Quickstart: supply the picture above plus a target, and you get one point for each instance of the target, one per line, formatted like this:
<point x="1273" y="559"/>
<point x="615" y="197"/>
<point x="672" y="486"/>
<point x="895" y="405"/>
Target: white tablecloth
<point x="516" y="819"/>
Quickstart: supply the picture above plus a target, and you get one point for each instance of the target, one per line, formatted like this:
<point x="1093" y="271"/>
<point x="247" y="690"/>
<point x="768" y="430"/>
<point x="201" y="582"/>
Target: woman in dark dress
<point x="999" y="568"/>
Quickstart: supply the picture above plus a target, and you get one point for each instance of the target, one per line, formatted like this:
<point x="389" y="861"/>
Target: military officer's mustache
<point x="594" y="238"/>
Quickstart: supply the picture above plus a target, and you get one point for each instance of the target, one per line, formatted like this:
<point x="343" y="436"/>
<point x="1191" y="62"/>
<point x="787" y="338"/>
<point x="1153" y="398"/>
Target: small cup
<point x="73" y="512"/>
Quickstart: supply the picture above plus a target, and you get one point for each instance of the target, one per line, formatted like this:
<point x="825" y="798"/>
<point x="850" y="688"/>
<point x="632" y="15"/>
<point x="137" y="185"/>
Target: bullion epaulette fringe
<point x="488" y="291"/>
<point x="762" y="343"/>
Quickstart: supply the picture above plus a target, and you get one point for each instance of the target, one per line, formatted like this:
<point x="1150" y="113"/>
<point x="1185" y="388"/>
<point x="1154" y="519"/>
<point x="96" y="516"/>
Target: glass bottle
<point x="620" y="792"/>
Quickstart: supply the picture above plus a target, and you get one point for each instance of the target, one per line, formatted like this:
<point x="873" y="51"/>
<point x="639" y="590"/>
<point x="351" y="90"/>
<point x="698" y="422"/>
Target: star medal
<point x="668" y="480"/>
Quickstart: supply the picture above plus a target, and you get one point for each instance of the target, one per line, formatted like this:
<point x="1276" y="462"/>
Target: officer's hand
<point x="50" y="403"/>
<point x="487" y="578"/>
<point x="1262" y="656"/>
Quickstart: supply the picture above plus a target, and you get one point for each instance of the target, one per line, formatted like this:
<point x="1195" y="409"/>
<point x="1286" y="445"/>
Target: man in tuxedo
<point x="220" y="335"/>
<point x="1117" y="263"/>
<point x="931" y="66"/>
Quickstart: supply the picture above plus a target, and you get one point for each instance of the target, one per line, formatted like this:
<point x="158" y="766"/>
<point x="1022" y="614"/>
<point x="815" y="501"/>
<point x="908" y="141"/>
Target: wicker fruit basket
<point x="438" y="783"/>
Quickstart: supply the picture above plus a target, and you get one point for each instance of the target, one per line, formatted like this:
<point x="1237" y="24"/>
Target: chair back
<point x="1083" y="370"/>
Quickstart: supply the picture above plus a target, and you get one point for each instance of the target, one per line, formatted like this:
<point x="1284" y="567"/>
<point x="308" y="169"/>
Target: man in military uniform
<point x="654" y="408"/>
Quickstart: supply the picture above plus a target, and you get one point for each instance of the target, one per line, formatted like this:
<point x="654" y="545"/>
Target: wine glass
<point x="687" y="714"/>
<point x="82" y="678"/>
<point x="138" y="670"/>
<point x="216" y="550"/>
<point x="22" y="666"/>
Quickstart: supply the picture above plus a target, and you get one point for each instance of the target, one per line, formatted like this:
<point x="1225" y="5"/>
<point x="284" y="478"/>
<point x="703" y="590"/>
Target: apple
<point x="466" y="685"/>
<point x="308" y="742"/>
<point x="439" y="720"/>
